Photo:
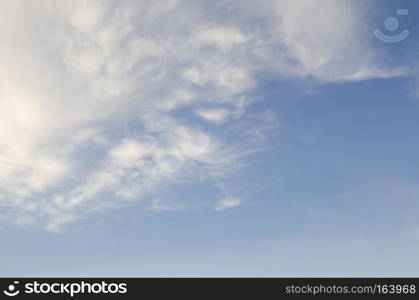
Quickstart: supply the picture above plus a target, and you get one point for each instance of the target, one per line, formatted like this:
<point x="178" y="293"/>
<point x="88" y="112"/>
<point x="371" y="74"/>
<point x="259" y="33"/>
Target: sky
<point x="209" y="138"/>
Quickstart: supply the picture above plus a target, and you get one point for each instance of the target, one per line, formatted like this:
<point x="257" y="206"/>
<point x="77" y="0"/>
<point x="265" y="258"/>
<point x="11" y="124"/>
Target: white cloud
<point x="216" y="115"/>
<point x="227" y="202"/>
<point x="95" y="95"/>
<point x="329" y="40"/>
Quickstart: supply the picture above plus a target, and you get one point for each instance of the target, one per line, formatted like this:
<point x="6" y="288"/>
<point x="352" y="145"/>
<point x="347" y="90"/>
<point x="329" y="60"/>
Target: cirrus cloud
<point x="102" y="102"/>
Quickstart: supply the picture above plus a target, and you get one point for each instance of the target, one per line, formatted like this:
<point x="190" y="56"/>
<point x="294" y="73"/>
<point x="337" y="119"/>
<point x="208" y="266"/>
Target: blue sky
<point x="208" y="139"/>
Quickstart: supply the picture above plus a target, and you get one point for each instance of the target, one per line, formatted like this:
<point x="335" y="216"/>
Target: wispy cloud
<point x="216" y="115"/>
<point x="102" y="102"/>
<point x="227" y="202"/>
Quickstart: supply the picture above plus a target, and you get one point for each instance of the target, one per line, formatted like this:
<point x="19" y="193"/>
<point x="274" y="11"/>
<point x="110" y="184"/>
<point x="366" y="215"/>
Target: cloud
<point x="215" y="115"/>
<point x="329" y="41"/>
<point x="102" y="102"/>
<point x="228" y="202"/>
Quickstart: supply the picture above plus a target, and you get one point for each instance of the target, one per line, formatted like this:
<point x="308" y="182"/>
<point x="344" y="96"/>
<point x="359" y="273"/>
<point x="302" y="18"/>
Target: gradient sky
<point x="208" y="138"/>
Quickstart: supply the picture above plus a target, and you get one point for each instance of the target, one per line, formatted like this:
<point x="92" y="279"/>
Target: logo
<point x="69" y="288"/>
<point x="392" y="24"/>
<point x="11" y="289"/>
